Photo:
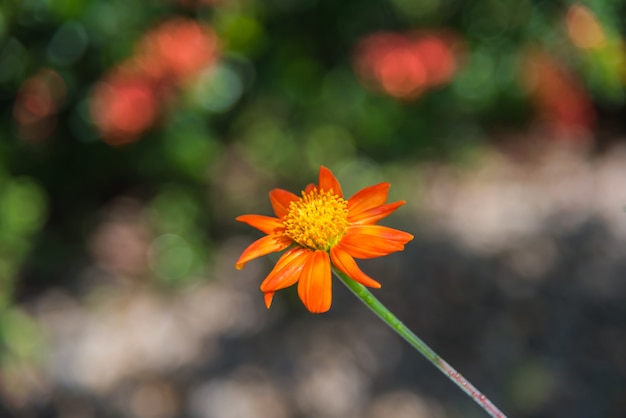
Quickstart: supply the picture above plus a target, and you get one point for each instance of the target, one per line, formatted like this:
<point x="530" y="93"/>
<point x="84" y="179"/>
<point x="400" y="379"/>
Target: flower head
<point x="320" y="229"/>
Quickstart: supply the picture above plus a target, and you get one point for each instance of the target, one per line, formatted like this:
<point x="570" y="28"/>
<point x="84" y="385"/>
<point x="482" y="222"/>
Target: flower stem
<point x="390" y="319"/>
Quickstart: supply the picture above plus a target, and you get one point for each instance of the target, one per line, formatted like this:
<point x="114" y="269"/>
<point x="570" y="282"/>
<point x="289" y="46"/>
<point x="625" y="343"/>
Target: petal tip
<point x="328" y="181"/>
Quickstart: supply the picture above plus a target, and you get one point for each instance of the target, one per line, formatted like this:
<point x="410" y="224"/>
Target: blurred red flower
<point x="404" y="65"/>
<point x="180" y="48"/>
<point x="128" y="101"/>
<point x="123" y="106"/>
<point x="37" y="103"/>
<point x="563" y="103"/>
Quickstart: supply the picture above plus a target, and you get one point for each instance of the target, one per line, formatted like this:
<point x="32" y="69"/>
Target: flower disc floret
<point x="317" y="220"/>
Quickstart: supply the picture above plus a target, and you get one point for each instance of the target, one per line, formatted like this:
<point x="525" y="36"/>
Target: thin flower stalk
<point x="393" y="322"/>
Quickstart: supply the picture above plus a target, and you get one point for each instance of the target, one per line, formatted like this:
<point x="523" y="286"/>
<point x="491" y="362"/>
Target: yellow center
<point x="317" y="220"/>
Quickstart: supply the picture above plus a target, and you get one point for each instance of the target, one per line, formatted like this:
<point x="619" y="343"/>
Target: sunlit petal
<point x="328" y="181"/>
<point x="263" y="246"/>
<point x="371" y="249"/>
<point x="267" y="224"/>
<point x="375" y="214"/>
<point x="344" y="262"/>
<point x="314" y="286"/>
<point x="370" y="241"/>
<point x="287" y="270"/>
<point x="382" y="232"/>
<point x="280" y="200"/>
<point x="368" y="198"/>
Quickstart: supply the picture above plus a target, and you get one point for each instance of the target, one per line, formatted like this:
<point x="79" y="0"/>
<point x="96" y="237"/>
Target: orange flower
<point x="322" y="227"/>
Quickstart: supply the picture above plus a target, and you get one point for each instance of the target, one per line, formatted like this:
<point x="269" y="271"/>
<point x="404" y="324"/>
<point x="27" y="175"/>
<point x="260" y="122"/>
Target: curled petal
<point x="375" y="214"/>
<point x="286" y="271"/>
<point x="280" y="200"/>
<point x="314" y="286"/>
<point x="344" y="262"/>
<point x="266" y="224"/>
<point x="328" y="181"/>
<point x="368" y="198"/>
<point x="263" y="246"/>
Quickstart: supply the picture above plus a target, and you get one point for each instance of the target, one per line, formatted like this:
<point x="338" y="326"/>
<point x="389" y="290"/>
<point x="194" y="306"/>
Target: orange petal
<point x="370" y="241"/>
<point x="280" y="200"/>
<point x="380" y="231"/>
<point x="286" y="271"/>
<point x="314" y="286"/>
<point x="344" y="262"/>
<point x="375" y="214"/>
<point x="309" y="188"/>
<point x="266" y="224"/>
<point x="328" y="181"/>
<point x="267" y="297"/>
<point x="368" y="198"/>
<point x="364" y="246"/>
<point x="263" y="246"/>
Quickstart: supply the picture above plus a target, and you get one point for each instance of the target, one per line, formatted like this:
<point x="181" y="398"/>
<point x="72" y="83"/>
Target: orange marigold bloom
<point x="321" y="228"/>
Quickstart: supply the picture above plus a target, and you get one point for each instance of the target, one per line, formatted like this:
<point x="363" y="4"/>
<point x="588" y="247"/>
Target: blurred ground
<point x="515" y="277"/>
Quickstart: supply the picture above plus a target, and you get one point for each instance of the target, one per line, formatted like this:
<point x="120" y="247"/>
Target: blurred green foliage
<point x="279" y="97"/>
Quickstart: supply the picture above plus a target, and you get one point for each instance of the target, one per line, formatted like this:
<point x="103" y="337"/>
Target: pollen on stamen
<point x="317" y="220"/>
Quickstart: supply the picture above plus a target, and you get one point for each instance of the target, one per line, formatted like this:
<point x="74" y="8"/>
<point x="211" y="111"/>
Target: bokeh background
<point x="133" y="132"/>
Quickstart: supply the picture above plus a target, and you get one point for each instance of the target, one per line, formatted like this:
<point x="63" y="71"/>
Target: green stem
<point x="390" y="319"/>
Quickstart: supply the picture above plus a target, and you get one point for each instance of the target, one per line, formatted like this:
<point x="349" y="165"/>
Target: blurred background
<point x="133" y="132"/>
